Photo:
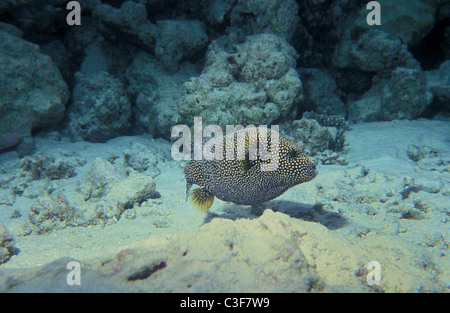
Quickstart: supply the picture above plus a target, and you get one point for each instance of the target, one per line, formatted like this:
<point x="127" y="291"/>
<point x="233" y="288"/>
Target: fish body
<point x="251" y="177"/>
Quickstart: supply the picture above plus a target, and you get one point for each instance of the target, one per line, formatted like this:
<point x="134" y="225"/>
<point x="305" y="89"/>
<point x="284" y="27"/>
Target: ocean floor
<point x="98" y="204"/>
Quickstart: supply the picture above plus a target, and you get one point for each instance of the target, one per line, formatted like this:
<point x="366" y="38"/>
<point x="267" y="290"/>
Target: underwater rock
<point x="9" y="28"/>
<point x="429" y="158"/>
<point x="406" y="95"/>
<point x="318" y="137"/>
<point x="311" y="135"/>
<point x="40" y="167"/>
<point x="446" y="45"/>
<point x="141" y="159"/>
<point x="380" y="49"/>
<point x="129" y="23"/>
<point x="33" y="91"/>
<point x="256" y="84"/>
<point x="321" y="135"/>
<point x="60" y="56"/>
<point x="439" y="83"/>
<point x="261" y="255"/>
<point x="278" y="17"/>
<point x="102" y="55"/>
<point x="9" y="140"/>
<point x="122" y="190"/>
<point x="76" y="39"/>
<point x="323" y="24"/>
<point x="50" y="214"/>
<point x="217" y="11"/>
<point x="100" y="108"/>
<point x="321" y="92"/>
<point x="376" y="52"/>
<point x="264" y="56"/>
<point x="39" y="19"/>
<point x="328" y="120"/>
<point x="95" y="59"/>
<point x="368" y="107"/>
<point x="171" y="41"/>
<point x="419" y="152"/>
<point x="135" y="188"/>
<point x="412" y="20"/>
<point x="156" y="92"/>
<point x="7" y="196"/>
<point x="7" y="245"/>
<point x="103" y="195"/>
<point x="178" y="40"/>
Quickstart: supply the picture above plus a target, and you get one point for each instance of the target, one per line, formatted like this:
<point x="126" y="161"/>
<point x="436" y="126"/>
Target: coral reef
<point x="178" y="40"/>
<point x="321" y="135"/>
<point x="129" y="23"/>
<point x="328" y="120"/>
<point x="320" y="132"/>
<point x="376" y="52"/>
<point x="409" y="19"/>
<point x="320" y="92"/>
<point x="39" y="19"/>
<point x="404" y="96"/>
<point x="277" y="16"/>
<point x="171" y="41"/>
<point x="33" y="91"/>
<point x="100" y="108"/>
<point x="236" y="60"/>
<point x="403" y="40"/>
<point x="255" y="84"/>
<point x="86" y="113"/>
<point x="156" y="92"/>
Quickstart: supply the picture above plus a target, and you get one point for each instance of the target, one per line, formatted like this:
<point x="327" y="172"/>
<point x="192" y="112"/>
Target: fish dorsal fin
<point x="202" y="199"/>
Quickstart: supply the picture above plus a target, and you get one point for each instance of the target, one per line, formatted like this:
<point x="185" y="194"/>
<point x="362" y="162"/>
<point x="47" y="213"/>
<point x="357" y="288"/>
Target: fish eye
<point x="293" y="153"/>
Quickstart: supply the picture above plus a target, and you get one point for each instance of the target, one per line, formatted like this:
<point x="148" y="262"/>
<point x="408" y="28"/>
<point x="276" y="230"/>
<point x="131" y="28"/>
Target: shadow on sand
<point x="307" y="212"/>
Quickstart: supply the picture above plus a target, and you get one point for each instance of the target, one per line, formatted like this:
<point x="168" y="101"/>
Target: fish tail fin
<point x="202" y="199"/>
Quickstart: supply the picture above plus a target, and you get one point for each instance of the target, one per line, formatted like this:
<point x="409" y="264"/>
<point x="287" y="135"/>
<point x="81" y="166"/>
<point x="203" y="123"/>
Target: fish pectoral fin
<point x="244" y="165"/>
<point x="202" y="199"/>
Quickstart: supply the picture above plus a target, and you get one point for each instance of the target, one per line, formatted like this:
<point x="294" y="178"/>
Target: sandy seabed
<point x="390" y="204"/>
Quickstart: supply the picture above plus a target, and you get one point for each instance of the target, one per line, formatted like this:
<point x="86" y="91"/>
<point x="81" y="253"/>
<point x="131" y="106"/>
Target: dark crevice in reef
<point x="146" y="271"/>
<point x="430" y="52"/>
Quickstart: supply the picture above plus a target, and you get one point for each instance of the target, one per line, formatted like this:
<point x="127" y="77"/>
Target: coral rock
<point x="256" y="84"/>
<point x="33" y="91"/>
<point x="178" y="40"/>
<point x="101" y="109"/>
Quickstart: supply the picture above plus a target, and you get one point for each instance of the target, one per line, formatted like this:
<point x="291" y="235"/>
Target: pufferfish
<point x="248" y="175"/>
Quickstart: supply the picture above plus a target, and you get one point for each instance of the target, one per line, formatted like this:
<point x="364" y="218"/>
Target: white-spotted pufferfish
<point x="251" y="179"/>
